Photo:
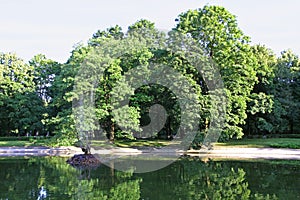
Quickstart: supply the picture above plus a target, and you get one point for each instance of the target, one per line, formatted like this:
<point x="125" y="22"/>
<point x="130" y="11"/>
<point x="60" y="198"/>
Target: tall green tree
<point x="217" y="33"/>
<point x="62" y="119"/>
<point x="261" y="101"/>
<point x="45" y="72"/>
<point x="286" y="93"/>
<point x="21" y="109"/>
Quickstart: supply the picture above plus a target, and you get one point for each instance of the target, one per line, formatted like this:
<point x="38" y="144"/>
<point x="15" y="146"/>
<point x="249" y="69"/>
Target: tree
<point x="101" y="79"/>
<point x="45" y="71"/>
<point x="261" y="100"/>
<point x="62" y="118"/>
<point x="217" y="33"/>
<point x="112" y="32"/>
<point x="106" y="76"/>
<point x="17" y="97"/>
<point x="286" y="93"/>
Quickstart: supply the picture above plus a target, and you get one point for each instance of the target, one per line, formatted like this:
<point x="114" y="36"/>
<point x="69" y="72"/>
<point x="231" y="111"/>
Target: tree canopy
<point x="261" y="89"/>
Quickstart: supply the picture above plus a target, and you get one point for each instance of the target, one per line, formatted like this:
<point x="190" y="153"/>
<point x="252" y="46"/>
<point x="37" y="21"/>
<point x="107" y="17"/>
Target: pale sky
<point x="29" y="27"/>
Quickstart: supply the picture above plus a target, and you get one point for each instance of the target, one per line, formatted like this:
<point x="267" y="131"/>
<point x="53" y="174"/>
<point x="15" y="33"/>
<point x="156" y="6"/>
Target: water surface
<point x="188" y="178"/>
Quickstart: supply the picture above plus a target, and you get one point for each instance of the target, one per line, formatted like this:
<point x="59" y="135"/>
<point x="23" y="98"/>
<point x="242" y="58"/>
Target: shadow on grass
<point x="138" y="143"/>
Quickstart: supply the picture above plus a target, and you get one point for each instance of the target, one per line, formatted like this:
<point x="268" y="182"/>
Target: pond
<point x="188" y="178"/>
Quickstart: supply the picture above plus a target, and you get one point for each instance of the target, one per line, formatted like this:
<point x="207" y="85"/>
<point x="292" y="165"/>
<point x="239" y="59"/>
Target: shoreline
<point x="39" y="151"/>
<point x="218" y="152"/>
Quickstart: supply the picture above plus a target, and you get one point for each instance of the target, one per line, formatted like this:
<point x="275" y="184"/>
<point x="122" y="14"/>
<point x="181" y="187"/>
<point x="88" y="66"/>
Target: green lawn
<point x="135" y="143"/>
<point x="143" y="143"/>
<point x="4" y="142"/>
<point x="293" y="143"/>
<point x="268" y="142"/>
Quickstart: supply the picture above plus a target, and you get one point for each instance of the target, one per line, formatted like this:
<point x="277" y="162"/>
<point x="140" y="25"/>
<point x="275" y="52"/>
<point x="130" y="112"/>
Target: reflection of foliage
<point x="188" y="178"/>
<point x="213" y="181"/>
<point x="122" y="191"/>
<point x="193" y="179"/>
<point x="63" y="181"/>
<point x="15" y="174"/>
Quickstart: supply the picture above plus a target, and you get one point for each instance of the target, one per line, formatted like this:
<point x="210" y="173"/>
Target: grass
<point x="17" y="142"/>
<point x="21" y="142"/>
<point x="143" y="143"/>
<point x="293" y="143"/>
<point x="135" y="143"/>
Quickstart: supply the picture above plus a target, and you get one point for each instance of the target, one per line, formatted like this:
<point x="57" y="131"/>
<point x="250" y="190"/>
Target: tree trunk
<point x="112" y="132"/>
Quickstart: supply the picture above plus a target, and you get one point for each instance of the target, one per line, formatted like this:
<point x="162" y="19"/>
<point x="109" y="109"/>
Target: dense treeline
<point x="261" y="88"/>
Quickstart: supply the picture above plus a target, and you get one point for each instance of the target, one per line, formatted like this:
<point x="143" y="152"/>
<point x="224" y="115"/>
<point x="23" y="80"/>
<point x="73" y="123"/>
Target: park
<point x="195" y="112"/>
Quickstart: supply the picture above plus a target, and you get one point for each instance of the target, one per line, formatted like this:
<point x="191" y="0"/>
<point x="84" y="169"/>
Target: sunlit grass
<point x="143" y="143"/>
<point x="22" y="143"/>
<point x="134" y="143"/>
<point x="293" y="143"/>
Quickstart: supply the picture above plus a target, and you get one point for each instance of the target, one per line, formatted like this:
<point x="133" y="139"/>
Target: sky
<point x="53" y="28"/>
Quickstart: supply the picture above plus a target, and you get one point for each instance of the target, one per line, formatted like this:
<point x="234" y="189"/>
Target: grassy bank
<point x="21" y="142"/>
<point x="293" y="143"/>
<point x="136" y="143"/>
<point x="145" y="143"/>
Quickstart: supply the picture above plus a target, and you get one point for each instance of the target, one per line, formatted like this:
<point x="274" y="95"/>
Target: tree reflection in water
<point x="188" y="178"/>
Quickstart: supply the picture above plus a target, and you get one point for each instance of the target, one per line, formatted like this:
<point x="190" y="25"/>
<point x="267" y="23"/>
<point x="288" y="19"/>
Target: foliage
<point x="187" y="178"/>
<point x="262" y="90"/>
<point x="286" y="92"/>
<point x="21" y="110"/>
<point x="217" y="32"/>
